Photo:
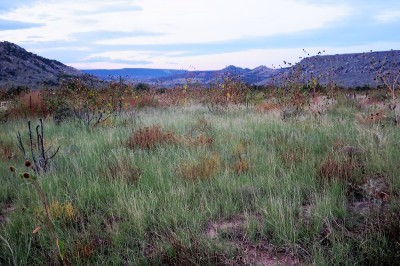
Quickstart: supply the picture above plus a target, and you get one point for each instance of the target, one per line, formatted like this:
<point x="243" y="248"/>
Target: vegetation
<point x="226" y="175"/>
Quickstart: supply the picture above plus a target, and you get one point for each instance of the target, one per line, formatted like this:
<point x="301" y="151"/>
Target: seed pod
<point x="26" y="175"/>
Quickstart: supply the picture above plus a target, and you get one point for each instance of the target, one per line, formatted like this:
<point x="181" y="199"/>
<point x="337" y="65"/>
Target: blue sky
<point x="194" y="34"/>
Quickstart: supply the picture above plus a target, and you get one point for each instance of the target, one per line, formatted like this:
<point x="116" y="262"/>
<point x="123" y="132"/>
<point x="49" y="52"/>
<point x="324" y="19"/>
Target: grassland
<point x="189" y="185"/>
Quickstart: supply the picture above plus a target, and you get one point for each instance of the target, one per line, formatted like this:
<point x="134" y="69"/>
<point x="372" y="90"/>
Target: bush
<point x="204" y="169"/>
<point x="379" y="95"/>
<point x="149" y="137"/>
<point x="62" y="114"/>
<point x="142" y="87"/>
<point x="16" y="91"/>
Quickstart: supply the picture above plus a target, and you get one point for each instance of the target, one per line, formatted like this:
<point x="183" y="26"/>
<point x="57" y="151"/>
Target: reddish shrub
<point x="149" y="137"/>
<point x="204" y="169"/>
<point x="30" y="105"/>
<point x="332" y="169"/>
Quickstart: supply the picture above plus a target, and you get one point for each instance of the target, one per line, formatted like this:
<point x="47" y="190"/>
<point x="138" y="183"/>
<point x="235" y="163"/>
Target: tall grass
<point x="139" y="199"/>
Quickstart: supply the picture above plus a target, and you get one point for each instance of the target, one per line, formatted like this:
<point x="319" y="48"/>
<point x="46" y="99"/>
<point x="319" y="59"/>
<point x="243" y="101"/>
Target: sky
<point x="197" y="34"/>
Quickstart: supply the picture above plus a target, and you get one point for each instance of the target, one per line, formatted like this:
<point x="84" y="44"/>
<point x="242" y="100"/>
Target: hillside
<point x="19" y="67"/>
<point x="346" y="70"/>
<point x="170" y="78"/>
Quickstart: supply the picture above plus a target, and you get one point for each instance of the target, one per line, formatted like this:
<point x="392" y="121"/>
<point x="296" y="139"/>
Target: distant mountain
<point x="346" y="70"/>
<point x="261" y="75"/>
<point x="21" y="68"/>
<point x="165" y="76"/>
<point x="170" y="78"/>
<point x="204" y="77"/>
<point x="251" y="76"/>
<point x="133" y="74"/>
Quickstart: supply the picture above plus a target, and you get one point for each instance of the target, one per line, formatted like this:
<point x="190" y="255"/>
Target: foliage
<point x="183" y="182"/>
<point x="143" y="87"/>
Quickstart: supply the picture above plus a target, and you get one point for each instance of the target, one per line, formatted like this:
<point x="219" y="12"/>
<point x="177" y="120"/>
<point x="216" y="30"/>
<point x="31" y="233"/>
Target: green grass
<point x="160" y="217"/>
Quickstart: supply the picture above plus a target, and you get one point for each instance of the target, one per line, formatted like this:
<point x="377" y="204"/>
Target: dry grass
<point x="291" y="156"/>
<point x="266" y="107"/>
<point x="30" y="105"/>
<point x="334" y="169"/>
<point x="205" y="168"/>
<point x="124" y="171"/>
<point x="85" y="248"/>
<point x="146" y="100"/>
<point x="63" y="211"/>
<point x="241" y="165"/>
<point x="194" y="253"/>
<point x="372" y="118"/>
<point x="200" y="140"/>
<point x="150" y="137"/>
<point x="6" y="151"/>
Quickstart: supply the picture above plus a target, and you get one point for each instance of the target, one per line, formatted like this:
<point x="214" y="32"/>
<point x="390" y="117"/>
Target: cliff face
<point x="21" y="68"/>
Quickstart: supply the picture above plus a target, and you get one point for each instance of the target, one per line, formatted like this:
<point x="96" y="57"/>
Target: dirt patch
<point x="262" y="253"/>
<point x="373" y="199"/>
<point x="234" y="224"/>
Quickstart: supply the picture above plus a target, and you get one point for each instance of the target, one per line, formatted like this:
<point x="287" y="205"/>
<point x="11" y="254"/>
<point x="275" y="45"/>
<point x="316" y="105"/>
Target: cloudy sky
<point x="197" y="34"/>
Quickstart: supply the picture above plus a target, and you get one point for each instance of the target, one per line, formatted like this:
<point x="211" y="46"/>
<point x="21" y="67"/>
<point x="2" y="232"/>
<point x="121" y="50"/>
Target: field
<point x="185" y="182"/>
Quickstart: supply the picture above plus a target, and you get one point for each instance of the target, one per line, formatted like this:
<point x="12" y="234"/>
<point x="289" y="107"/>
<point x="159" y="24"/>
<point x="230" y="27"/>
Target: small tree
<point x="388" y="74"/>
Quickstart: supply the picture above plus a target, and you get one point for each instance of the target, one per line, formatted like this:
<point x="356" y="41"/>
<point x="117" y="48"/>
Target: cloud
<point x="206" y="21"/>
<point x="249" y="58"/>
<point x="101" y="65"/>
<point x="13" y="25"/>
<point x="208" y="34"/>
<point x="9" y="5"/>
<point x="179" y="21"/>
<point x="62" y="19"/>
<point x="388" y="16"/>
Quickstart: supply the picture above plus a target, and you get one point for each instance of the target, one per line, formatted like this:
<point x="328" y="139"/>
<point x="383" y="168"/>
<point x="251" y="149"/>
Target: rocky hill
<point x="21" y="68"/>
<point x="346" y="70"/>
<point x="170" y="78"/>
<point x="205" y="77"/>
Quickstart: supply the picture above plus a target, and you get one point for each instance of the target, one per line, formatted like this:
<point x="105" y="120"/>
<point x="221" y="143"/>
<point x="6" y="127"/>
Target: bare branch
<point x="55" y="153"/>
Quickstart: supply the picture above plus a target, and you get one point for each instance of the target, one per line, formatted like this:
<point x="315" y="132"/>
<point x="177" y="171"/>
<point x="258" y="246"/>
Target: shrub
<point x="204" y="169"/>
<point x="62" y="114"/>
<point x="150" y="137"/>
<point x="142" y="87"/>
<point x="375" y="117"/>
<point x="29" y="105"/>
<point x="16" y="91"/>
<point x="332" y="169"/>
<point x="379" y="95"/>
